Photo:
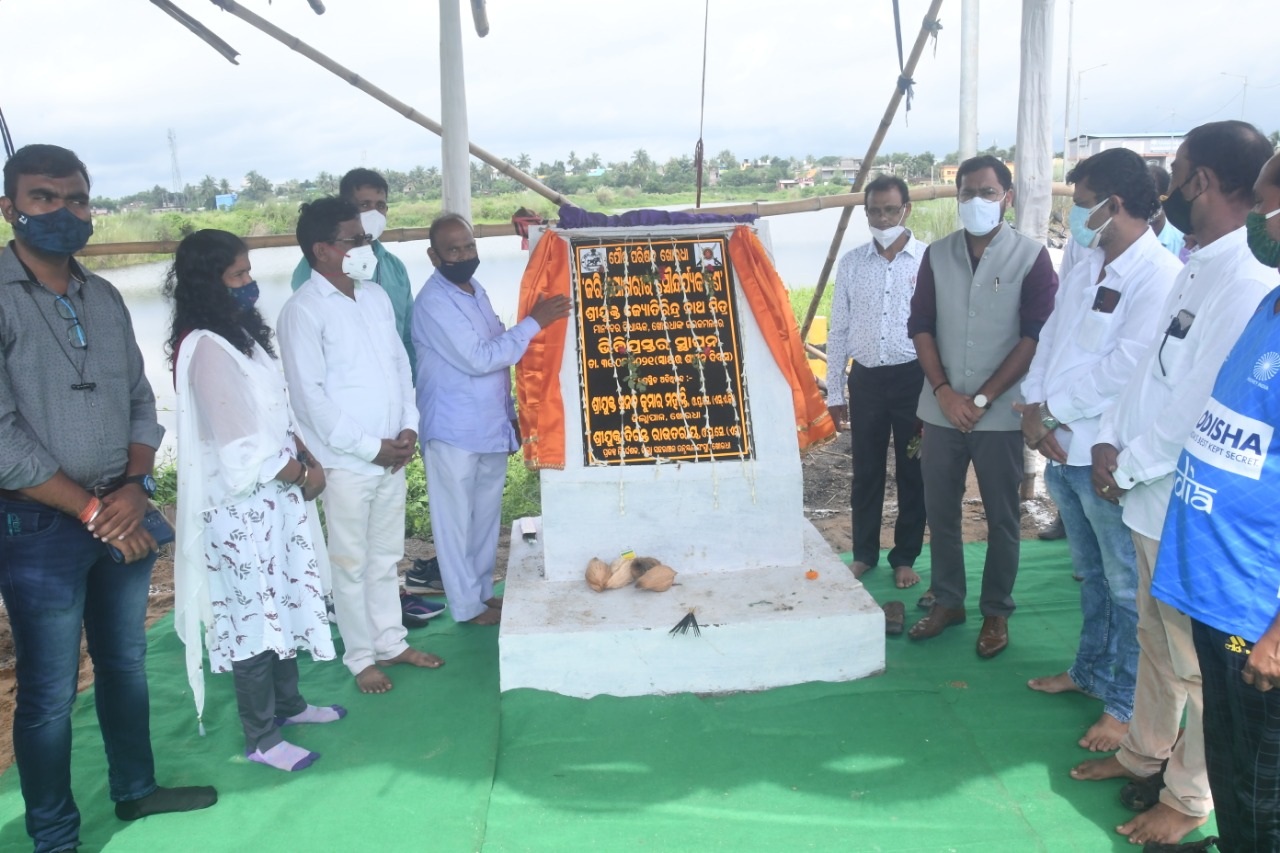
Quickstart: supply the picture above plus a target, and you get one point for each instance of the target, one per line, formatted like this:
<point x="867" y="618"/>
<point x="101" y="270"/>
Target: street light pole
<point x="1244" y="93"/>
<point x="1079" y="98"/>
<point x="1066" y="117"/>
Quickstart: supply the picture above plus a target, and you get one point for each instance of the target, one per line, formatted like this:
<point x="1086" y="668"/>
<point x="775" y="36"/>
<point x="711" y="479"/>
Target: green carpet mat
<point x="943" y="751"/>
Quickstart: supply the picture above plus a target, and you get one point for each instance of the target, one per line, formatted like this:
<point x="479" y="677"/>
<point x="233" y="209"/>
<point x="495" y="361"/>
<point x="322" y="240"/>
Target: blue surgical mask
<point x="58" y="232"/>
<point x="1082" y="233"/>
<point x="246" y="297"/>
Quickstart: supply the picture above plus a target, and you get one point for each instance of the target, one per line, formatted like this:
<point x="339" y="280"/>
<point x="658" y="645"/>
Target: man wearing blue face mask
<point x="981" y="298"/>
<point x="1106" y="309"/>
<point x="469" y="428"/>
<point x="78" y="436"/>
<point x="351" y="388"/>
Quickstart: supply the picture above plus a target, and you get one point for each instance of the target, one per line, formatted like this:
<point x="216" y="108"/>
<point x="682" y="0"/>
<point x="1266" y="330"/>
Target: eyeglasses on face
<point x="356" y="241"/>
<point x="884" y="212"/>
<point x="457" y="253"/>
<point x="985" y="193"/>
<point x="75" y="332"/>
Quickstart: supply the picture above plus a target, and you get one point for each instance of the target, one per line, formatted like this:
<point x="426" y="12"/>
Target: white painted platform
<point x="761" y="628"/>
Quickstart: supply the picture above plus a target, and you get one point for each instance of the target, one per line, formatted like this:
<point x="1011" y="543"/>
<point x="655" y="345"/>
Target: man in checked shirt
<point x="869" y="312"/>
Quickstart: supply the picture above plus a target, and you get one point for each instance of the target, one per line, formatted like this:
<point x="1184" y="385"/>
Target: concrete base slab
<point x="759" y="628"/>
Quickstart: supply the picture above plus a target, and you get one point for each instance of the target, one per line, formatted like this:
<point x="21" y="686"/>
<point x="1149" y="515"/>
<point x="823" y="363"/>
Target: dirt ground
<point x="828" y="472"/>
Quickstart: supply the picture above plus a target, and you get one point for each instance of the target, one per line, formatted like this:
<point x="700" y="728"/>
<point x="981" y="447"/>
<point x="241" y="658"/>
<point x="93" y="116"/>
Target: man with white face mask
<point x="869" y="311"/>
<point x="352" y="391"/>
<point x="983" y="294"/>
<point x="367" y="190"/>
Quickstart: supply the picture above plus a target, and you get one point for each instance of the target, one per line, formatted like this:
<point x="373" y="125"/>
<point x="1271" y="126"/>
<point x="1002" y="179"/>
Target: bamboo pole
<point x="926" y="27"/>
<point x="294" y="43"/>
<point x="399" y="235"/>
<point x="168" y="247"/>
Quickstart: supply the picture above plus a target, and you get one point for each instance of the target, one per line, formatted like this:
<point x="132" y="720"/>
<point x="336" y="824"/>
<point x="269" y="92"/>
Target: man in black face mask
<point x="78" y="437"/>
<point x="1136" y="452"/>
<point x="468" y="425"/>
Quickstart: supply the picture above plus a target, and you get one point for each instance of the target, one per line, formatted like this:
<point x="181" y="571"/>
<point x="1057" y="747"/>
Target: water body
<point x="799" y="241"/>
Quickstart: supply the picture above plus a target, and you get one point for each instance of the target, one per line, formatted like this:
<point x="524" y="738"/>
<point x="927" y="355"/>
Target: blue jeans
<point x="1106" y="664"/>
<point x="54" y="577"/>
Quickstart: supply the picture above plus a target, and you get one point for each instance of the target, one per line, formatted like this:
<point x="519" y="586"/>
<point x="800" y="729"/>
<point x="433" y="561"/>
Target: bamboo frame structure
<point x="296" y="44"/>
<point x="927" y="26"/>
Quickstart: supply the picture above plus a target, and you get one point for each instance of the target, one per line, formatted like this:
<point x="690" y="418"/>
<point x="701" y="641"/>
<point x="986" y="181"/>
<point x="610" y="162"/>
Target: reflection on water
<point x="799" y="242"/>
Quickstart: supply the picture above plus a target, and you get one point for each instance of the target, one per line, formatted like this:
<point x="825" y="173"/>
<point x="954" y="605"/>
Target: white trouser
<point x="365" y="517"/>
<point x="1168" y="683"/>
<point x="466" y="509"/>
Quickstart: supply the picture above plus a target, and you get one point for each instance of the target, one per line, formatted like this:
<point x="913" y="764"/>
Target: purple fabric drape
<point x="576" y="217"/>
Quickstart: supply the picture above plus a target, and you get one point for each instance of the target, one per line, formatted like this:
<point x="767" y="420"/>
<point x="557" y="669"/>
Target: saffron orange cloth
<point x="541" y="405"/>
<point x="538" y="373"/>
<point x="772" y="309"/>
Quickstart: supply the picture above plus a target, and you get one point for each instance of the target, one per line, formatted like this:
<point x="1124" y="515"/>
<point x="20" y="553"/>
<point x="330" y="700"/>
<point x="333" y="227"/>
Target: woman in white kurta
<point x="247" y="572"/>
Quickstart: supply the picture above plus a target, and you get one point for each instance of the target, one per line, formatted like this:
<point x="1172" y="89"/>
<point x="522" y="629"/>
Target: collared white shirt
<point x="349" y="378"/>
<point x="1220" y="285"/>
<point x="1086" y="357"/>
<point x="869" y="312"/>
<point x="464" y="360"/>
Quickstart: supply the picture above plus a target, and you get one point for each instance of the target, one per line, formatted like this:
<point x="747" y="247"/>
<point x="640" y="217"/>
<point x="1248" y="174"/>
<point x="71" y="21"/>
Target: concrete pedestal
<point x="760" y="628"/>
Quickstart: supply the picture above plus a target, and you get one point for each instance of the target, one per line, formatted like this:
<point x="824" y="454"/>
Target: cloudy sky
<point x="109" y="79"/>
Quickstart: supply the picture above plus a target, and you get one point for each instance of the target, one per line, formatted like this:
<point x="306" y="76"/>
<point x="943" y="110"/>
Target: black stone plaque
<point x="659" y="351"/>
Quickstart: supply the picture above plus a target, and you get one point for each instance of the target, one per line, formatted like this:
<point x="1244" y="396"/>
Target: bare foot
<point x="860" y="568"/>
<point x="905" y="576"/>
<point x="371" y="680"/>
<point x="495" y="602"/>
<point x="492" y="616"/>
<point x="1060" y="683"/>
<point x="1161" y="824"/>
<point x="1096" y="769"/>
<point x="1104" y="735"/>
<point x="413" y="657"/>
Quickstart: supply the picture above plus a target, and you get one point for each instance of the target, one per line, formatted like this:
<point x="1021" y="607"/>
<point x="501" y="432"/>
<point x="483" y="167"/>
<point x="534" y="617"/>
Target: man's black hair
<point x="1160" y="175"/>
<point x="1120" y="172"/>
<point x="318" y="222"/>
<point x="357" y="178"/>
<point x="884" y="183"/>
<point x="52" y="161"/>
<point x="1234" y="150"/>
<point x="441" y="221"/>
<point x="985" y="161"/>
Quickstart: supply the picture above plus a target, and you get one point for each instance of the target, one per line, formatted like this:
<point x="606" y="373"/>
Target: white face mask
<point x="886" y="236"/>
<point x="979" y="216"/>
<point x="374" y="222"/>
<point x="359" y="263"/>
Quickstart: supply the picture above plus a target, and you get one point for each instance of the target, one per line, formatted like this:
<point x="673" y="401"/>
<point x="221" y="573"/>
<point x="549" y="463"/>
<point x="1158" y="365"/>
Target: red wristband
<point x="91" y="510"/>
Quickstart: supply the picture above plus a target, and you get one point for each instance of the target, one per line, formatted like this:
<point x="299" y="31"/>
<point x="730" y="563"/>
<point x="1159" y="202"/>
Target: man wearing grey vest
<point x="981" y="298"/>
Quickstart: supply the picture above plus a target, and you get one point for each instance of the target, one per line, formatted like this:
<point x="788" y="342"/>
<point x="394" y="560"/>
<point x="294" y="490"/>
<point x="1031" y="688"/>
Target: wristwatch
<point x="147" y="482"/>
<point x="1047" y="420"/>
<point x="982" y="401"/>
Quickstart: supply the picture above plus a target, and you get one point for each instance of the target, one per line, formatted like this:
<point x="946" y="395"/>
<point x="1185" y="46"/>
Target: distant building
<point x="1157" y="149"/>
<point x="947" y="172"/>
<point x="845" y="172"/>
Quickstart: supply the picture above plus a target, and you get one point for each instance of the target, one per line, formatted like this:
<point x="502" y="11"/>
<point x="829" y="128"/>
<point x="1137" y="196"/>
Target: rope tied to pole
<point x="702" y="109"/>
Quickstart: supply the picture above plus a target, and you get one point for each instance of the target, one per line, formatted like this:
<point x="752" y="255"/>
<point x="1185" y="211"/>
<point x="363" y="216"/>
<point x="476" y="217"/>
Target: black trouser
<point x="997" y="462"/>
<point x="883" y="401"/>
<point x="266" y="688"/>
<point x="1241" y="745"/>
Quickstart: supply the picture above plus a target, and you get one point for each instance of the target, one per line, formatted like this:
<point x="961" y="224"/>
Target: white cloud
<point x="795" y="78"/>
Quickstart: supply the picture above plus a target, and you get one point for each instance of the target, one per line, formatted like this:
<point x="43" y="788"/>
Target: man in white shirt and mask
<point x="367" y="190"/>
<point x="351" y="387"/>
<point x="869" y="311"/>
<point x="1107" y="307"/>
<point x="1135" y="452"/>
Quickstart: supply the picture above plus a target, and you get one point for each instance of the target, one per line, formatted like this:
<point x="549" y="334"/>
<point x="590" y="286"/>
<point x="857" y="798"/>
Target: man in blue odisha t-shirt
<point x="1220" y="559"/>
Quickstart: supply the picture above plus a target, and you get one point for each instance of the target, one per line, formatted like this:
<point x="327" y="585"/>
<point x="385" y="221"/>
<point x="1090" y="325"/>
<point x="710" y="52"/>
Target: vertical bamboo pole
<point x="926" y="27"/>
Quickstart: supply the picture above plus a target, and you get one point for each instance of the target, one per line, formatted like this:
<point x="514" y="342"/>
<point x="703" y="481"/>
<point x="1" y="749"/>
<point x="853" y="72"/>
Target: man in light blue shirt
<point x="367" y="190"/>
<point x="468" y="425"/>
